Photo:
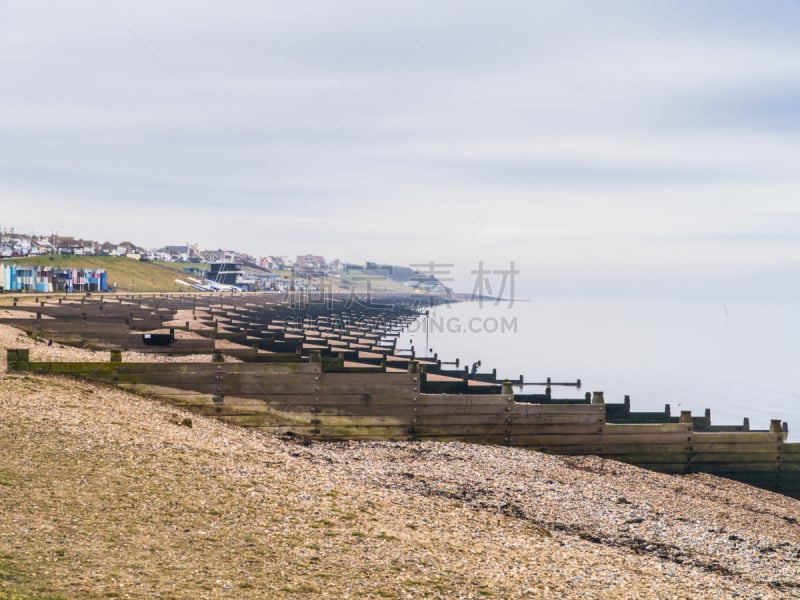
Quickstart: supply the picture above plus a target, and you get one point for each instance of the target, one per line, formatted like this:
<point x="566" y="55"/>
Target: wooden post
<point x="116" y="356"/>
<point x="597" y="397"/>
<point x="508" y="388"/>
<point x="686" y="416"/>
<point x="775" y="426"/>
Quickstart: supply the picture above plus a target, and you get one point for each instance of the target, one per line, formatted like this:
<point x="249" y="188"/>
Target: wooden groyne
<point x="334" y="372"/>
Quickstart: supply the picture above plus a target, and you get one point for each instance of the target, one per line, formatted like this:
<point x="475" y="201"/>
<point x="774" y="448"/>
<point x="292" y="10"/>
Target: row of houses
<point x="21" y="278"/>
<point x="14" y="245"/>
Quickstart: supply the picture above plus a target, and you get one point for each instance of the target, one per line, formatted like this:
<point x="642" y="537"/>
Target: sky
<point x="608" y="147"/>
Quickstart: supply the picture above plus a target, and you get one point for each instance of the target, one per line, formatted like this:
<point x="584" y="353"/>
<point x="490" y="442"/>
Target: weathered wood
<point x="744" y="437"/>
<point x="722" y="467"/>
<point x="643" y="441"/>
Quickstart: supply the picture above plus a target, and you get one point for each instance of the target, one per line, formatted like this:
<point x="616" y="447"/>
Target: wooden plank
<point x="202" y="369"/>
<point x="467" y="409"/>
<point x="743" y="437"/>
<point x="644" y="440"/>
<point x="536" y="420"/>
<point x="357" y="379"/>
<point x="329" y="421"/>
<point x="465" y="400"/>
<point x="478" y="429"/>
<point x="215" y="384"/>
<point x="791" y="449"/>
<point x="504" y="419"/>
<point x="309" y="403"/>
<point x="563" y="429"/>
<point x="734" y="467"/>
<point x="789" y="466"/>
<point x="732" y="447"/>
<point x="307" y="406"/>
<point x="722" y="449"/>
<point x="645" y="428"/>
<point x="400" y="400"/>
<point x="666" y="447"/>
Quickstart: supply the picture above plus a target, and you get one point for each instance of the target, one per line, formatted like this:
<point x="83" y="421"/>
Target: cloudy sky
<point x="645" y="147"/>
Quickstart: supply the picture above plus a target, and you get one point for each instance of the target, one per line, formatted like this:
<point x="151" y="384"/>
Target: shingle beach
<point x="105" y="494"/>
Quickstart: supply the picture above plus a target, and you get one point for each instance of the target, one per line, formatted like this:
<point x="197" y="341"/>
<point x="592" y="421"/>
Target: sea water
<point x="737" y="358"/>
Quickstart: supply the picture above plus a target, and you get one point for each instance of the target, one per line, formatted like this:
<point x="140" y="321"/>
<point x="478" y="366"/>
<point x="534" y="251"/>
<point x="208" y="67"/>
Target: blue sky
<point x="604" y="147"/>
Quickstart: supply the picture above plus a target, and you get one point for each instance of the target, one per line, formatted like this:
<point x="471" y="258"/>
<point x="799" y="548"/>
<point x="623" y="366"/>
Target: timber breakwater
<point x="331" y="370"/>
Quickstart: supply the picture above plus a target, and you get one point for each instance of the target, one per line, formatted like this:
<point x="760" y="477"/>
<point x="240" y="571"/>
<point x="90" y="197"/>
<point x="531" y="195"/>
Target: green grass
<point x="12" y="578"/>
<point x="130" y="275"/>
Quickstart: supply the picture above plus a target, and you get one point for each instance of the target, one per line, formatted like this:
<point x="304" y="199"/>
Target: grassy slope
<point x="135" y="276"/>
<point x="130" y="275"/>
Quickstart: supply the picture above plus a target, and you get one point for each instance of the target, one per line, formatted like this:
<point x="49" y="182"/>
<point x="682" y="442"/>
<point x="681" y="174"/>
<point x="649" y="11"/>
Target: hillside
<point x="106" y="494"/>
<point x="130" y="275"/>
<point x="145" y="277"/>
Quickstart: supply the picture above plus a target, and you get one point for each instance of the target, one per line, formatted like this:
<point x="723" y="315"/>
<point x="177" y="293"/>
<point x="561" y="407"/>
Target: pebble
<point x="97" y="480"/>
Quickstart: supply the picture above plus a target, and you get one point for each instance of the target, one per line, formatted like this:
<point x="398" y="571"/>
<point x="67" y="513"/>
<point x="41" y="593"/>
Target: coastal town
<point x="20" y="245"/>
<point x="200" y="269"/>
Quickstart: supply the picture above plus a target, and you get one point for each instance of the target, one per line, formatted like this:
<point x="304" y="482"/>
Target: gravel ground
<point x="107" y="494"/>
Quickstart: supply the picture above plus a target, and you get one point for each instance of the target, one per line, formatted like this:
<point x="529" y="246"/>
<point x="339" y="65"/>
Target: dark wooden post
<point x="597" y="397"/>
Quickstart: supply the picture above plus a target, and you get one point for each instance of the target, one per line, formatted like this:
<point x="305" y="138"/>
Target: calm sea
<point x="738" y="359"/>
